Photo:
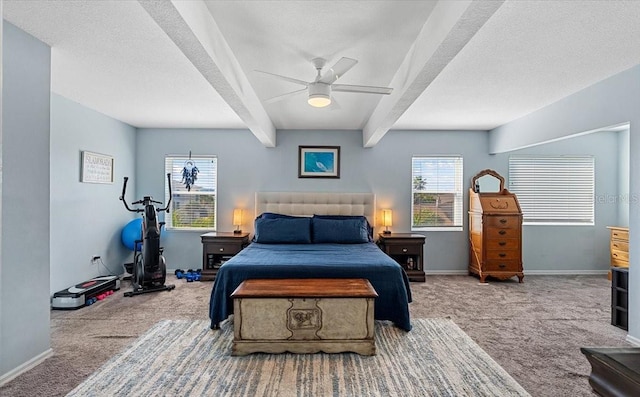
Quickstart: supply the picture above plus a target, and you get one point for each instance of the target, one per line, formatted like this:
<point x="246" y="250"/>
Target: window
<point x="554" y="189"/>
<point x="436" y="187"/>
<point x="194" y="200"/>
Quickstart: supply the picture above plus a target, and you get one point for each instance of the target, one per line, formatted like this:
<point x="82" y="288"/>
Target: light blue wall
<point x="613" y="101"/>
<point x="245" y="167"/>
<point x="86" y="218"/>
<point x="388" y="167"/>
<point x="24" y="281"/>
<point x="623" y="178"/>
<point x="544" y="248"/>
<point x="601" y="105"/>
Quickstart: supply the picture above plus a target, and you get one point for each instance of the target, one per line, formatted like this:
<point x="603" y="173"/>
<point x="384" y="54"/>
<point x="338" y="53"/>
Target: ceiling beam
<point x="451" y="25"/>
<point x="191" y="27"/>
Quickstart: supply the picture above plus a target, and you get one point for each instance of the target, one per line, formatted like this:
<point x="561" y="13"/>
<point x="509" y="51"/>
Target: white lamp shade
<point x="237" y="217"/>
<point x="387" y="218"/>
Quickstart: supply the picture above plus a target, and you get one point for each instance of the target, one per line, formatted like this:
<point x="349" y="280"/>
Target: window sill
<point x="438" y="229"/>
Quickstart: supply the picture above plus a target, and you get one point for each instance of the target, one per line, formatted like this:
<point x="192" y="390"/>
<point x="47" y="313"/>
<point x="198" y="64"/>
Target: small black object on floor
<point x="148" y="289"/>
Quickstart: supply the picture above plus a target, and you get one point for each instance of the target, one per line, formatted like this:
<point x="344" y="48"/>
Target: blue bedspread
<point x="316" y="261"/>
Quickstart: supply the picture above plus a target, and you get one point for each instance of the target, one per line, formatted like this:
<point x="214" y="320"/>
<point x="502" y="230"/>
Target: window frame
<point x="458" y="195"/>
<point x="170" y="169"/>
<point x="582" y="164"/>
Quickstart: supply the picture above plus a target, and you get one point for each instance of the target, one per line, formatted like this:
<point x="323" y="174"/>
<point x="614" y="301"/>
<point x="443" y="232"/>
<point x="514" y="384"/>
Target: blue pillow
<point x="283" y="231"/>
<point x="273" y="215"/>
<point x="360" y="217"/>
<point x="340" y="231"/>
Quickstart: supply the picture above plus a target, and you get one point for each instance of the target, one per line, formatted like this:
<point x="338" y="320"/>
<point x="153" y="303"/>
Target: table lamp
<point x="237" y="220"/>
<point x="387" y="220"/>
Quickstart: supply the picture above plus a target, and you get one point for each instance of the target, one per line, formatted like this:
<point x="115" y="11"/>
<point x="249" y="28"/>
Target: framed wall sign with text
<point x="96" y="168"/>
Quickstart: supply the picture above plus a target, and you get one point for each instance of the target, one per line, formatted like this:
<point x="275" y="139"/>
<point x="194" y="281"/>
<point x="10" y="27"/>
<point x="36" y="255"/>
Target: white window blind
<point x="554" y="189"/>
<point x="193" y="206"/>
<point x="436" y="187"/>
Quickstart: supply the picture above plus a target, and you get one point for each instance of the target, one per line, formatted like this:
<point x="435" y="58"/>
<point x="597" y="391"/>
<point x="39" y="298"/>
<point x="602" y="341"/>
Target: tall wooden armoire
<point x="495" y="229"/>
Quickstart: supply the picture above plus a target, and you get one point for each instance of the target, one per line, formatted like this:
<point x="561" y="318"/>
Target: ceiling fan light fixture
<point x="319" y="95"/>
<point x="319" y="100"/>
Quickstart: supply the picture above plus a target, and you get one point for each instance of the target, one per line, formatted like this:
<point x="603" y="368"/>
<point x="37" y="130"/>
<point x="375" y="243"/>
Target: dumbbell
<point x="195" y="274"/>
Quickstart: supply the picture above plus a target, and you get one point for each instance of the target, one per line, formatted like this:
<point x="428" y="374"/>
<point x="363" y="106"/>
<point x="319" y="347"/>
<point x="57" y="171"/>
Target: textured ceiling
<point x="453" y="65"/>
<point x="528" y="55"/>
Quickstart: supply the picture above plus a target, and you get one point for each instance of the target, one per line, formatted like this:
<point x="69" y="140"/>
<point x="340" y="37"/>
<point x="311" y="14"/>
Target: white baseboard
<point x="526" y="272"/>
<point x="25" y="367"/>
<point x="633" y="340"/>
<point x="565" y="272"/>
<point x="446" y="272"/>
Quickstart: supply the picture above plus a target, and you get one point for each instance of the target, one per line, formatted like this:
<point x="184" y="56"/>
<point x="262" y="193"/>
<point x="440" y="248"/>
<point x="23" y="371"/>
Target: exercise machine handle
<point x="148" y="199"/>
<point x="124" y="190"/>
<point x="168" y="202"/>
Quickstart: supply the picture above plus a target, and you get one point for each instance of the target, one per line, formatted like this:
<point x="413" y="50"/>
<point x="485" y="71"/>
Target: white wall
<point x="24" y="281"/>
<point x="613" y="101"/>
<point x="86" y="218"/>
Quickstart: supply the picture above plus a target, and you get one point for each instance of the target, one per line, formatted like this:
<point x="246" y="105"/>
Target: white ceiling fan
<point x="319" y="90"/>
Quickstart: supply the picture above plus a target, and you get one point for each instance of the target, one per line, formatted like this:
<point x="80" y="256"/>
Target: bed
<point x="315" y="235"/>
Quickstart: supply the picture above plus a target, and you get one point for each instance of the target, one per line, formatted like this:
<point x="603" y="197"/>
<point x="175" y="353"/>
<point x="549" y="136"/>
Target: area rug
<point x="186" y="358"/>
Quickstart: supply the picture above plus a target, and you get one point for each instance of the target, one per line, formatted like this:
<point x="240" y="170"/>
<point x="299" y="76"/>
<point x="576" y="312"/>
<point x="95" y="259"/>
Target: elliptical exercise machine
<point x="149" y="267"/>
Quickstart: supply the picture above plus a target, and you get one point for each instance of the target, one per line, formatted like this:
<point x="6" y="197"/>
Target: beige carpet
<point x="186" y="358"/>
<point x="533" y="330"/>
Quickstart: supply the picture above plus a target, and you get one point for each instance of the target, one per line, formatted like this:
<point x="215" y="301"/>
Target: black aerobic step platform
<point x="76" y="297"/>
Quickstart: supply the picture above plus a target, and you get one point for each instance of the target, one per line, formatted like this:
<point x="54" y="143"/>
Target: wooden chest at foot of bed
<point x="304" y="316"/>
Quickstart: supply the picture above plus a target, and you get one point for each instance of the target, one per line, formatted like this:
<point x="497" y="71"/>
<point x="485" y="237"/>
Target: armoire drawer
<point x="502" y="233"/>
<point x="507" y="222"/>
<point x="506" y="265"/>
<point x="503" y="244"/>
<point x="503" y="255"/>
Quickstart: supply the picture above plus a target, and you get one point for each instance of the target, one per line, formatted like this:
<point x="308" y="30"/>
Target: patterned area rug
<point x="186" y="358"/>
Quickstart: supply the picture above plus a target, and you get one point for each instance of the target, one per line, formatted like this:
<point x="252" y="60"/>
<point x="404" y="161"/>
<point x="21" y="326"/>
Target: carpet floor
<point x="533" y="330"/>
<point x="186" y="358"/>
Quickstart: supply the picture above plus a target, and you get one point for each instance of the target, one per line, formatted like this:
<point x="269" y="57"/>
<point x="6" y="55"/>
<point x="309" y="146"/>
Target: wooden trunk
<point x="304" y="316"/>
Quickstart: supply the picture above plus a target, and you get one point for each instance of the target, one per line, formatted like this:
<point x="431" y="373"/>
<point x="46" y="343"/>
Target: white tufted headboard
<point x="319" y="203"/>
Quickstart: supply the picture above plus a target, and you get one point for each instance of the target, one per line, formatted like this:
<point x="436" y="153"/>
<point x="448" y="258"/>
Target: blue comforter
<point x="321" y="261"/>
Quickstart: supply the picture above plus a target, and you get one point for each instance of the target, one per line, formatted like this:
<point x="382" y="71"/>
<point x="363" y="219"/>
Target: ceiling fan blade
<point x="284" y="96"/>
<point x="336" y="71"/>
<point x="364" y="89"/>
<point x="285" y="78"/>
<point x="335" y="105"/>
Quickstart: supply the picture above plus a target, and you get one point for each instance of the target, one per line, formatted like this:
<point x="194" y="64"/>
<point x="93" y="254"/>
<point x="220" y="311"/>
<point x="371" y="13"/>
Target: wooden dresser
<point x="495" y="232"/>
<point x="619" y="247"/>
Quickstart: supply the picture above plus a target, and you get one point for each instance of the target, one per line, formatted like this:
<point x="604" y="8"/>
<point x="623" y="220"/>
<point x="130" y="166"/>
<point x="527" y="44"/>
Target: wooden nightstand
<point x="407" y="250"/>
<point x="217" y="248"/>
